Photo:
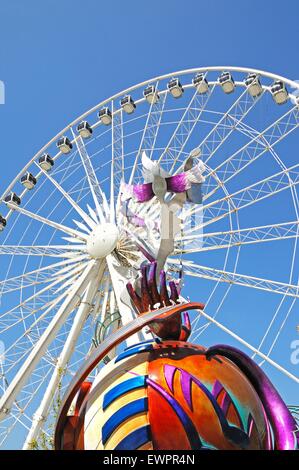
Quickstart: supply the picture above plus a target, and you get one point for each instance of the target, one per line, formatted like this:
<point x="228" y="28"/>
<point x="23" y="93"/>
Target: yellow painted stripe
<point x="95" y="417"/>
<point x="141" y="369"/>
<point x="97" y="404"/>
<point x="128" y="426"/>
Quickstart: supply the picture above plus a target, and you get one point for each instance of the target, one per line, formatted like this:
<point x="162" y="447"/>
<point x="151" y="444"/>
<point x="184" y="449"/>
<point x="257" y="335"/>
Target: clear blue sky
<point x="59" y="58"/>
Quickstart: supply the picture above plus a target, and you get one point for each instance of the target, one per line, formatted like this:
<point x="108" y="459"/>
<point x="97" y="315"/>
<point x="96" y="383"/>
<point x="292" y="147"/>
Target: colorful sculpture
<point x="169" y="394"/>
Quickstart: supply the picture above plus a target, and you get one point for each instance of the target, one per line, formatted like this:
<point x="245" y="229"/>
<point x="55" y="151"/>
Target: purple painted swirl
<point x="282" y="422"/>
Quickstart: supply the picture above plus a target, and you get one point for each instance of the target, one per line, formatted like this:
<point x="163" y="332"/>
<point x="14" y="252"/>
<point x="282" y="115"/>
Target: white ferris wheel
<point x="72" y="234"/>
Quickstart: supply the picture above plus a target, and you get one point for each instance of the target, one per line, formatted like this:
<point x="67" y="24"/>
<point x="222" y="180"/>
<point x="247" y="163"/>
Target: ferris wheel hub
<point x="102" y="240"/>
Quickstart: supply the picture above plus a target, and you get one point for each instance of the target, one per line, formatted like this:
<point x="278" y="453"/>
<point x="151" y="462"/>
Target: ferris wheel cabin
<point x="195" y="153"/>
<point x="279" y="92"/>
<point x="13" y="198"/>
<point x="28" y="180"/>
<point x="201" y="84"/>
<point x="105" y="116"/>
<point x="84" y="129"/>
<point x="128" y="105"/>
<point x="150" y="94"/>
<point x="46" y="162"/>
<point x="253" y="85"/>
<point x="2" y="223"/>
<point x="64" y="144"/>
<point x="175" y="87"/>
<point x="227" y="82"/>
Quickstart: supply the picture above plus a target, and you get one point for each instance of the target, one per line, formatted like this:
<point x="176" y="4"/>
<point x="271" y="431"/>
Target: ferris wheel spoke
<point x="104" y="305"/>
<point x="114" y="320"/>
<point x="150" y="130"/>
<point x="230" y="120"/>
<point x="32" y="312"/>
<point x="47" y="337"/>
<point x="249" y="346"/>
<point x="19" y="350"/>
<point x="153" y="126"/>
<point x="92" y="214"/>
<point x="184" y="129"/>
<point x="39" y="304"/>
<point x="218" y="275"/>
<point x="56" y="251"/>
<point x="66" y="353"/>
<point x="107" y="313"/>
<point x="29" y="396"/>
<point x="36" y="276"/>
<point x="88" y="220"/>
<point x="265" y="188"/>
<point x="241" y="237"/>
<point x="62" y="278"/>
<point x="101" y="299"/>
<point x="98" y="196"/>
<point x="10" y="426"/>
<point x="20" y="286"/>
<point x="117" y="158"/>
<point x="23" y="402"/>
<point x="245" y="129"/>
<point x="51" y="223"/>
<point x="254" y="149"/>
<point x="281" y="326"/>
<point x="20" y="411"/>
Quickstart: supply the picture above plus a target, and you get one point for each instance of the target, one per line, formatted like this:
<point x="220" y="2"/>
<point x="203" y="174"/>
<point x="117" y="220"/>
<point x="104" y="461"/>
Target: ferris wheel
<point x="195" y="170"/>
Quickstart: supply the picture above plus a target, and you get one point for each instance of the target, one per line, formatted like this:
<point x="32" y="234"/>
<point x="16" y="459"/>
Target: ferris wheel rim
<point x="270" y="75"/>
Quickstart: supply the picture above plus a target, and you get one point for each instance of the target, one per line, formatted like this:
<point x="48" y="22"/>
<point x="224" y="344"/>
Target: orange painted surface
<point x="202" y="414"/>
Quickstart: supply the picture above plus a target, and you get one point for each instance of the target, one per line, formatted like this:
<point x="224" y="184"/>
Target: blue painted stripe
<point x="127" y="411"/>
<point x="124" y="387"/>
<point x="135" y="439"/>
<point x="134" y="350"/>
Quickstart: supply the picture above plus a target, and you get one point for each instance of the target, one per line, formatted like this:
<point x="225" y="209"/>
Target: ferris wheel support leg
<point x="115" y="324"/>
<point x="119" y="282"/>
<point x="42" y="412"/>
<point x="45" y="340"/>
